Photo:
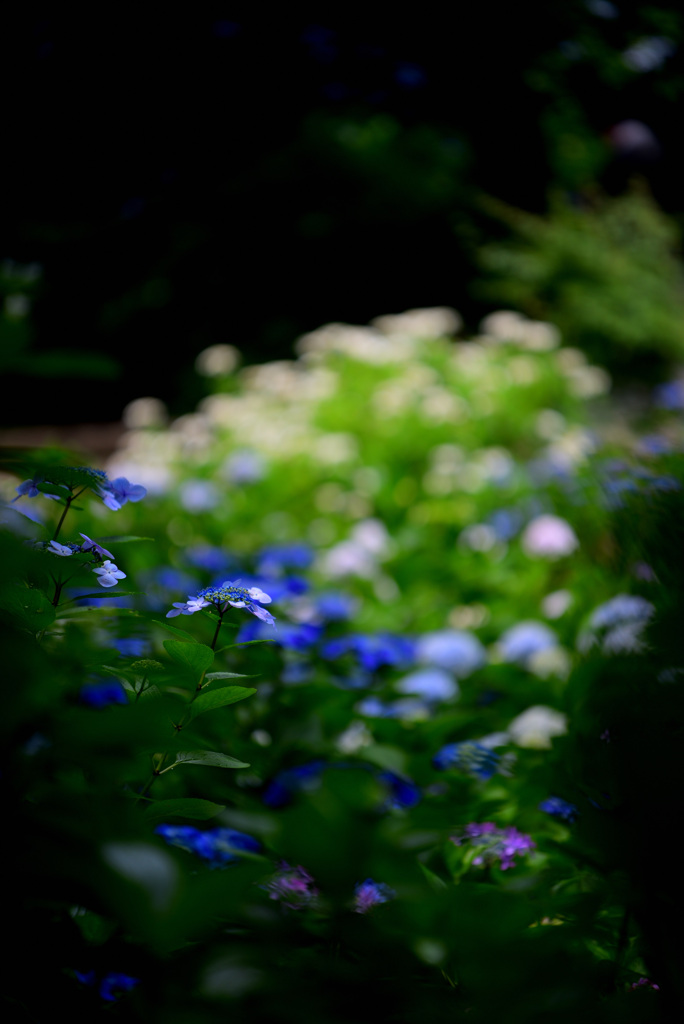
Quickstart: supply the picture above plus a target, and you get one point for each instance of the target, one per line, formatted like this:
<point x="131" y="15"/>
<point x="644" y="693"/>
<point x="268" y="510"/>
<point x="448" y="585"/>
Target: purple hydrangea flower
<point x="227" y="593"/>
<point x="292" y="886"/>
<point x="29" y="489"/>
<point x="498" y="844"/>
<point x="116" y="493"/>
<point x="369" y="894"/>
<point x="559" y="808"/>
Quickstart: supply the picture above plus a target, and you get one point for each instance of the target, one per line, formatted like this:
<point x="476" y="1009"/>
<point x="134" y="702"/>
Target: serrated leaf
<point x="211" y="758"/>
<point x="183" y="807"/>
<point x="219" y="699"/>
<point x="195" y="657"/>
<point x="176" y="632"/>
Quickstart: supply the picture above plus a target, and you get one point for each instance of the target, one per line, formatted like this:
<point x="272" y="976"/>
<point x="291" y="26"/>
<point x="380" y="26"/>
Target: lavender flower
<point x="369" y="894"/>
<point x="293" y="887"/>
<point x="55" y="548"/>
<point x="227" y="593"/>
<point x="502" y="844"/>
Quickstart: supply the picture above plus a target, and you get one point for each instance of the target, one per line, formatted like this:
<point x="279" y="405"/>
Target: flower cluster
<point x="227" y="593"/>
<point x="114" y="493"/>
<point x="369" y="894"/>
<point x="108" y="572"/>
<point x="292" y="886"/>
<point x="497" y="844"/>
<point x="111" y="986"/>
<point x="559" y="808"/>
<point x="216" y="846"/>
<point x="472" y="758"/>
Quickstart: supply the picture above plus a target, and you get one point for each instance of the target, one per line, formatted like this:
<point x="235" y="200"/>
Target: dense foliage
<point x="447" y="767"/>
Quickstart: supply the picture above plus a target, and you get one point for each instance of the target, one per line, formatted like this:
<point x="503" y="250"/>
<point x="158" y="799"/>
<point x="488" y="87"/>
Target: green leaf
<point x="183" y="807"/>
<point x="211" y="676"/>
<point x="125" y="539"/>
<point x="434" y="881"/>
<point x="31" y="607"/>
<point x="219" y="699"/>
<point x="246" y="643"/>
<point x="176" y="632"/>
<point x="195" y="657"/>
<point x="208" y="757"/>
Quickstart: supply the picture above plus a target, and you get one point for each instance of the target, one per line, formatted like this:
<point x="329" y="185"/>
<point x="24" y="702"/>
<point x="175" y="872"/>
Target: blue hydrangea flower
<point x="220" y="597"/>
<point x="293" y="636"/>
<point x="29" y="489"/>
<point x="283" y="787"/>
<point x="619" y="624"/>
<point x="519" y="643"/>
<point x="433" y="684"/>
<point x="372" y="650"/>
<point x="117" y="493"/>
<point x="217" y="846"/>
<point x="206" y="556"/>
<point x="453" y="650"/>
<point x="109" y="574"/>
<point x="369" y="894"/>
<point x="559" y="808"/>
<point x="403" y="792"/>
<point x="334" y="606"/>
<point x="97" y="549"/>
<point x="64" y="550"/>
<point x="132" y="646"/>
<point x="274" y="559"/>
<point x="670" y="395"/>
<point x="409" y="709"/>
<point x="101" y="694"/>
<point x="469" y="757"/>
<point x="112" y="985"/>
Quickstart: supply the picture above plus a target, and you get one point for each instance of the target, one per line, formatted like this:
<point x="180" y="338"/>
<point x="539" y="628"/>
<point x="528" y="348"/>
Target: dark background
<point x="221" y="175"/>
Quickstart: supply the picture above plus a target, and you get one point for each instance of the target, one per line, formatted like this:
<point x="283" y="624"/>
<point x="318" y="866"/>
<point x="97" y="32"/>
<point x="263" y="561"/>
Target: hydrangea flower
<point x="116" y="493"/>
<point x="559" y="808"/>
<point x="112" y="985"/>
<point x="432" y="684"/>
<point x="302" y="779"/>
<point x="29" y="489"/>
<point x="369" y="894"/>
<point x="227" y="593"/>
<point x="292" y="636"/>
<point x="97" y="549"/>
<point x="622" y="620"/>
<point x="536" y="726"/>
<point x="103" y="693"/>
<point x="472" y="758"/>
<point x="372" y="650"/>
<point x="498" y="844"/>
<point x="109" y="574"/>
<point x="403" y="793"/>
<point x="274" y="559"/>
<point x="64" y="550"/>
<point x="453" y="650"/>
<point x="292" y="886"/>
<point x="550" y="537"/>
<point x="217" y="846"/>
<point x="522" y="641"/>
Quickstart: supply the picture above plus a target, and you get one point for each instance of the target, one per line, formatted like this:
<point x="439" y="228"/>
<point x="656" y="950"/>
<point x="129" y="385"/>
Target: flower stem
<point x="67" y="506"/>
<point x="218" y="626"/>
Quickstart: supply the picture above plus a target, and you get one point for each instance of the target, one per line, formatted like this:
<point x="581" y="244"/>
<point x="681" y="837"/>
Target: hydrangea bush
<point x="469" y="641"/>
